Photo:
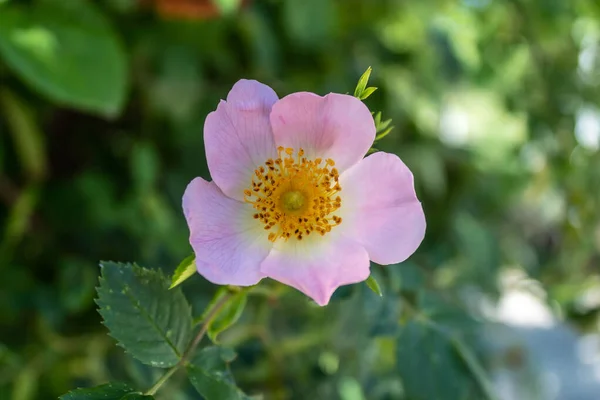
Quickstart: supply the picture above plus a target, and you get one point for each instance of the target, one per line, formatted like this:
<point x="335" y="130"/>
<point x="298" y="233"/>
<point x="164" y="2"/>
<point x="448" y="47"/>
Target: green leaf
<point x="137" y="396"/>
<point x="76" y="284"/>
<point x="475" y="367"/>
<point x="66" y="50"/>
<point x="309" y="23"/>
<point x="28" y="139"/>
<point x="185" y="269"/>
<point x="367" y="92"/>
<point x="228" y="6"/>
<point x="229" y="314"/>
<point x="384" y="133"/>
<point x="151" y="322"/>
<point x="18" y="219"/>
<point x="377" y="118"/>
<point x="110" y="391"/>
<point x="381" y="315"/>
<point x="374" y="285"/>
<point x="362" y="82"/>
<point x="429" y="366"/>
<point x="382" y="125"/>
<point x="444" y="313"/>
<point x="209" y="373"/>
<point x="144" y="167"/>
<point x="407" y="277"/>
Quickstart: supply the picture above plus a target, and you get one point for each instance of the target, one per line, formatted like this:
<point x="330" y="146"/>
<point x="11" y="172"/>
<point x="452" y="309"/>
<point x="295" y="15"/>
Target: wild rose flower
<point x="293" y="199"/>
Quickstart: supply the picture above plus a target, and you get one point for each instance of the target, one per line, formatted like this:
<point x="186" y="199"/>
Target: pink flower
<point x="292" y="197"/>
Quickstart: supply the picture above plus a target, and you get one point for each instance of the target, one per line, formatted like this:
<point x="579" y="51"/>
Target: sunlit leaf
<point x="384" y="133"/>
<point x="185" y="269"/>
<point x="374" y="285"/>
<point x="367" y="92"/>
<point x="362" y="82"/>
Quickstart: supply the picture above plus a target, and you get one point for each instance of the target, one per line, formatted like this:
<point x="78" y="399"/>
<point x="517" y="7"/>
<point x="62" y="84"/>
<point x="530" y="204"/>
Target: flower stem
<point x="192" y="346"/>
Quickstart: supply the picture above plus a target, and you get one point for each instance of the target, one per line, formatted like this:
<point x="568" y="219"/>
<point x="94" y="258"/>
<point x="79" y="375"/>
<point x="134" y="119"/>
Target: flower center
<point x="294" y="196"/>
<point x="292" y="201"/>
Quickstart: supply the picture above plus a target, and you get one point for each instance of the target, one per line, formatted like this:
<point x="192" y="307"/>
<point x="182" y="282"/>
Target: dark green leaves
<point x="137" y="396"/>
<point x="149" y="321"/>
<point x="110" y="391"/>
<point x="67" y="51"/>
<point x="209" y="374"/>
<point x="429" y="366"/>
<point x="435" y="364"/>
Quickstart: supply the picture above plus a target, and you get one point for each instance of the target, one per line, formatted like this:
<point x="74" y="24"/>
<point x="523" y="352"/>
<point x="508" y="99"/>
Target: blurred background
<point x="496" y="107"/>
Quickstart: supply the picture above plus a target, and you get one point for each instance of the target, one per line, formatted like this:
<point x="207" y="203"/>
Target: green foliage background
<point x="101" y="112"/>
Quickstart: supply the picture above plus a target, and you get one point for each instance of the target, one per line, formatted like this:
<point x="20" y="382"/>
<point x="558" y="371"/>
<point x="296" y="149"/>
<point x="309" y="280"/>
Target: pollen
<point x="294" y="197"/>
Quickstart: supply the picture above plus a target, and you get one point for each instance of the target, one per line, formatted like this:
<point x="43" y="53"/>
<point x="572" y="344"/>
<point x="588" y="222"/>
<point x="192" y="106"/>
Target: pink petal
<point x="238" y="136"/>
<point x="336" y="126"/>
<point x="228" y="243"/>
<point x="317" y="266"/>
<point x="381" y="209"/>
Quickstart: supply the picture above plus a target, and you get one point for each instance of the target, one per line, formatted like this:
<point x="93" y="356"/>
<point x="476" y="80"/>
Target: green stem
<point x="475" y="367"/>
<point x="162" y="380"/>
<point x="192" y="346"/>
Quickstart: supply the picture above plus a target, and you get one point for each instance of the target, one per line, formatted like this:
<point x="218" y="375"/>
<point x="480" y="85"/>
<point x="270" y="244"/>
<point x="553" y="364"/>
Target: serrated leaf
<point x="110" y="391"/>
<point x="184" y="270"/>
<point x="137" y="396"/>
<point x="229" y="314"/>
<point x="151" y="322"/>
<point x="367" y="92"/>
<point x="66" y="50"/>
<point x="362" y="82"/>
<point x="374" y="285"/>
<point x="429" y="366"/>
<point x="210" y="375"/>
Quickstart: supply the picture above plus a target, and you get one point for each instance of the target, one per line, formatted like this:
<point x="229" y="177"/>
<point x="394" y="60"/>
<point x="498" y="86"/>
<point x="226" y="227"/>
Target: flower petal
<point x="238" y="136"/>
<point x="229" y="244"/>
<point x="317" y="266"/>
<point x="336" y="126"/>
<point x="381" y="209"/>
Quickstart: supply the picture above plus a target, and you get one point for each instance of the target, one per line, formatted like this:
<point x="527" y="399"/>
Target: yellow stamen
<point x="294" y="197"/>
